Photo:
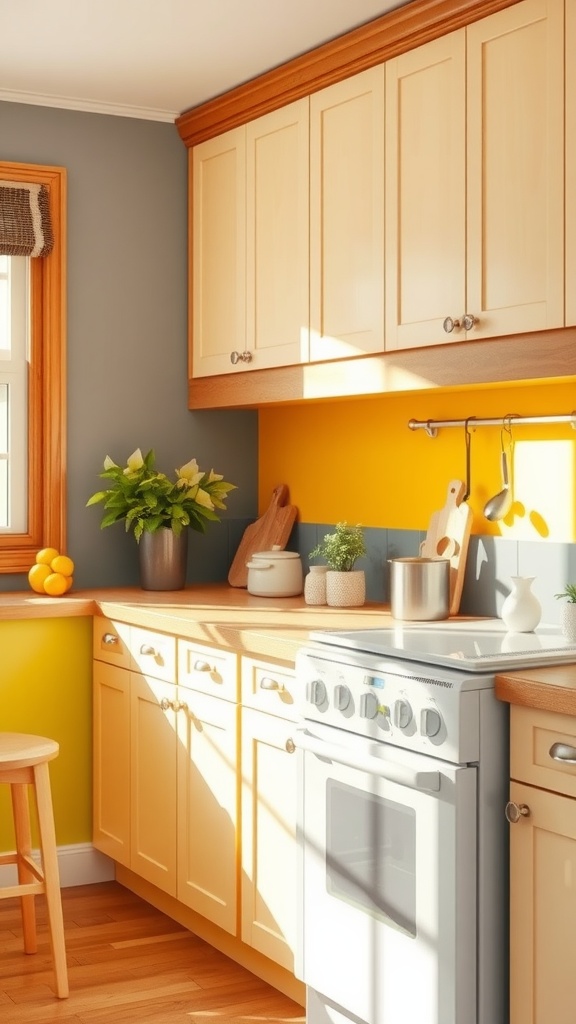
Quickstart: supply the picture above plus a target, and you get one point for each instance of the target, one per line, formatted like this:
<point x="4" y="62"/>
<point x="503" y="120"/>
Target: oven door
<point x="389" y="881"/>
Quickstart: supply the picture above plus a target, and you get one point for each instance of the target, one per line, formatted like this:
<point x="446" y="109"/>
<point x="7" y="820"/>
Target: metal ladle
<point x="499" y="506"/>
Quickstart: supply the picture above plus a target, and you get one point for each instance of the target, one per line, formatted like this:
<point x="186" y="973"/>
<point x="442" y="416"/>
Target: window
<point x="32" y="387"/>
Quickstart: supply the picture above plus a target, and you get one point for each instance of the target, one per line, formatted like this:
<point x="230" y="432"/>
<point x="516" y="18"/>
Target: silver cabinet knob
<point x="165" y="704"/>
<point x="269" y="683"/>
<point x="514" y="812"/>
<point x="563" y="752"/>
<point x="240" y="357"/>
<point x="290" y="746"/>
<point x="110" y="639"/>
<point x="469" y="321"/>
<point x="450" y="325"/>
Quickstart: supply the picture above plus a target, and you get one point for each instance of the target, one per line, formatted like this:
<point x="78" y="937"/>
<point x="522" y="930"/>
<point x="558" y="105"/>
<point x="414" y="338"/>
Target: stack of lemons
<point x="51" y="573"/>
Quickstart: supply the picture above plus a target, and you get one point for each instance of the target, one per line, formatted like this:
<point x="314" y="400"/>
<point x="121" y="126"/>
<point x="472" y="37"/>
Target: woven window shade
<point x="25" y="228"/>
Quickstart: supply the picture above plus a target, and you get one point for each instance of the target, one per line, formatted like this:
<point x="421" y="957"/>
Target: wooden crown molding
<point x="370" y="44"/>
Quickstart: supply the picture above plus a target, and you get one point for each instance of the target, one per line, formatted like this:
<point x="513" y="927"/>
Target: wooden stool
<point x="24" y="762"/>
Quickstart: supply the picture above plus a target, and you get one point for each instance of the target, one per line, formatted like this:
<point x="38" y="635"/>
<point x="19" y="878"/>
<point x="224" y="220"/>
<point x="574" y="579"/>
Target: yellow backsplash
<point x="357" y="460"/>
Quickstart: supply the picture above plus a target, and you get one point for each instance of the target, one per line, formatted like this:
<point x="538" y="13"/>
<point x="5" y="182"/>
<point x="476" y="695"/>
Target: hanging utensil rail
<point x="433" y="426"/>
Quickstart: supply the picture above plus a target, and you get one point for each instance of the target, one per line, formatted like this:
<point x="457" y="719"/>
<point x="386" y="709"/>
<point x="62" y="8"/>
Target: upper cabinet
<point x="412" y="194"/>
<point x="347" y="217"/>
<point x="475" y="181"/>
<point x="250" y="245"/>
<point x="570" y="71"/>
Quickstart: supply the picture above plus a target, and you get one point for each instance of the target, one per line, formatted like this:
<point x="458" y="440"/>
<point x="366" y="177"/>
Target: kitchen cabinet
<point x="250" y="245"/>
<point x="170" y="778"/>
<point x="570" y="73"/>
<point x="269" y="794"/>
<point x="347" y="217"/>
<point x="542" y="866"/>
<point x="475" y="181"/>
<point x="165" y="769"/>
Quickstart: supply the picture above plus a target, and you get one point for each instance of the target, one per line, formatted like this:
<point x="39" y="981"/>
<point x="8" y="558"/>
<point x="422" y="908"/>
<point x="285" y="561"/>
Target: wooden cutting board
<point x="274" y="527"/>
<point x="448" y="536"/>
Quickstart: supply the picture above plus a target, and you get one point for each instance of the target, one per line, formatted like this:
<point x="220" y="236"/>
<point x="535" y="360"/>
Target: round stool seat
<point x="20" y="750"/>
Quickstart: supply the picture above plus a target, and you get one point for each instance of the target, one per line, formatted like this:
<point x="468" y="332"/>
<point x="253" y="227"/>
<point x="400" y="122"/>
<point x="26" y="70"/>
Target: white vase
<point x="568" y="621"/>
<point x="521" y="611"/>
<point x="345" y="589"/>
<point x="315" y="585"/>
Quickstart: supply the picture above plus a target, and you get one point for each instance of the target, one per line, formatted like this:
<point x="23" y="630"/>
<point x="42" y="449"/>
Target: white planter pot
<point x="345" y="589"/>
<point x="568" y="621"/>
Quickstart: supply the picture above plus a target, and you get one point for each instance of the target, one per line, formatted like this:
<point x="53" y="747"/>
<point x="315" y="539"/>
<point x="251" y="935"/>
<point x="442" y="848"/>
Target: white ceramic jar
<point x="275" y="573"/>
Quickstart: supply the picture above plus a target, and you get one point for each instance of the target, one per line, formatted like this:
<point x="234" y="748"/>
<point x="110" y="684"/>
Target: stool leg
<point x="51" y="876"/>
<point x="21" y="811"/>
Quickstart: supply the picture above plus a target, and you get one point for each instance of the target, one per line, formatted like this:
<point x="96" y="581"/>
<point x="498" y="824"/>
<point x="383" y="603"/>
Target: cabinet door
<point x="425" y="192"/>
<point x="543" y="908"/>
<point x="269" y="848"/>
<point x="111" y="764"/>
<point x="218" y="228"/>
<point x="347" y="217"/>
<point x="153" y="781"/>
<point x="208" y="807"/>
<point x="277" y="237"/>
<point x="570" y="64"/>
<point x="515" y="163"/>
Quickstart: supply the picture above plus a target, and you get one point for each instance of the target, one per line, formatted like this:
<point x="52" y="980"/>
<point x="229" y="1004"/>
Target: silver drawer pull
<point x="563" y="752"/>
<point x="290" y="745"/>
<point x="179" y="705"/>
<point x="202" y="666"/>
<point x="147" y="649"/>
<point x="514" y="812"/>
<point x="269" y="683"/>
<point x="165" y="704"/>
<point x="110" y="638"/>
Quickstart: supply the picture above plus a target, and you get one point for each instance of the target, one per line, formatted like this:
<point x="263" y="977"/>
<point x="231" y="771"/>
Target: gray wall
<point x="127" y="330"/>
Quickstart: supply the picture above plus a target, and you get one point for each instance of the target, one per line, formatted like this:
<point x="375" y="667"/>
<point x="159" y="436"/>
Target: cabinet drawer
<point x="534" y="756"/>
<point x="111" y="641"/>
<point x="154" y="654"/>
<point x="269" y="687"/>
<point x="208" y="669"/>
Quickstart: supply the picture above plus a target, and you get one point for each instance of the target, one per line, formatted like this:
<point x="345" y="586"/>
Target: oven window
<point x="371" y="854"/>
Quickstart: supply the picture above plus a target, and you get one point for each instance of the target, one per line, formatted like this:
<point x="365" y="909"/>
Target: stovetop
<point x="479" y="646"/>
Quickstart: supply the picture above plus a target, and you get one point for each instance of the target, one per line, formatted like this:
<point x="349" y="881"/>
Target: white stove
<point x="480" y="646"/>
<point x="404" y="771"/>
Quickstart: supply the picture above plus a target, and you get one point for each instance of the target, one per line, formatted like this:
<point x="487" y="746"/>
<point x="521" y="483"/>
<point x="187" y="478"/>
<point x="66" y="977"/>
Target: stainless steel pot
<point x="275" y="573"/>
<point x="419" y="588"/>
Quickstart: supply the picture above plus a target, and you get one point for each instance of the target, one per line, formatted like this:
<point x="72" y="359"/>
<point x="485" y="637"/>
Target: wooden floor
<point x="128" y="964"/>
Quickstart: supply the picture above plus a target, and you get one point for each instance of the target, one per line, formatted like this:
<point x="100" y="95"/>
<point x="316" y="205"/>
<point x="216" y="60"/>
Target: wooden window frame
<point x="46" y="384"/>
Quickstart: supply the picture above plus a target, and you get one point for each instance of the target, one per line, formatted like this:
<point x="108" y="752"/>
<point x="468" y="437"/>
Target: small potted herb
<point x="345" y="585"/>
<point x="568" y="618"/>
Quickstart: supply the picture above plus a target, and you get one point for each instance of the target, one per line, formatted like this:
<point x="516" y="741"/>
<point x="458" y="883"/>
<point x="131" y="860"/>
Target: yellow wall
<point x="46" y="688"/>
<point x="356" y="460"/>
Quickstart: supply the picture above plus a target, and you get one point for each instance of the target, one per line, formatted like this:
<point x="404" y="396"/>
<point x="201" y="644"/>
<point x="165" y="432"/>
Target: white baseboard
<point x="80" y="864"/>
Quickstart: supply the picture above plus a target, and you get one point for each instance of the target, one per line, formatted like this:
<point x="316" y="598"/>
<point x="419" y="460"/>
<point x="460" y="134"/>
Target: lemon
<point x="63" y="564"/>
<point x="55" y="584"/>
<point x="38" y="573"/>
<point x="45" y="556"/>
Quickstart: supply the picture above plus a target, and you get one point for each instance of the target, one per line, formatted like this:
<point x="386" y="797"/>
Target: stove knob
<point x="402" y="714"/>
<point x="369" y="706"/>
<point x="316" y="692"/>
<point x="342" y="697"/>
<point x="430" y="722"/>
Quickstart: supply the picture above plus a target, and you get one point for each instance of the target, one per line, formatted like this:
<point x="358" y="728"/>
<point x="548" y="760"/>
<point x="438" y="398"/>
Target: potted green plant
<point x="158" y="512"/>
<point x="341" y="549"/>
<point x="568" y="617"/>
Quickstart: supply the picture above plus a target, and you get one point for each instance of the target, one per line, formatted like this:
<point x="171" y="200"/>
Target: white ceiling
<point x="156" y="58"/>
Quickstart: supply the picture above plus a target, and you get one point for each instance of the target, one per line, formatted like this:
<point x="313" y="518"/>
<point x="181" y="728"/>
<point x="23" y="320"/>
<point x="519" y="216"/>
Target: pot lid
<point x="276" y="553"/>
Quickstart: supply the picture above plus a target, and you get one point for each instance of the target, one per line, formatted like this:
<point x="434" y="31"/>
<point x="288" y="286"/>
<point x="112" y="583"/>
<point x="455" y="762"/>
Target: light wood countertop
<point x="548" y="689"/>
<point x="211" y="613"/>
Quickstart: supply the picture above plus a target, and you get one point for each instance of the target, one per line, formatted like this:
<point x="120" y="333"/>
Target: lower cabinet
<point x="269" y="795"/>
<point x="170" y="778"/>
<point x="542" y="867"/>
